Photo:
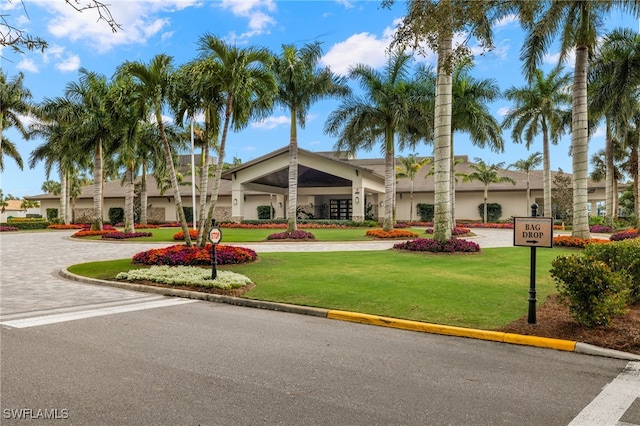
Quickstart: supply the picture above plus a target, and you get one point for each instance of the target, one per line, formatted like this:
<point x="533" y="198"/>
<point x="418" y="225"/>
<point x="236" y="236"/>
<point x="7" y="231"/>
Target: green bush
<point x="52" y="214"/>
<point x="494" y="212"/>
<point x="116" y="215"/>
<point x="27" y="223"/>
<point x="593" y="292"/>
<point x="266" y="212"/>
<point x="188" y="214"/>
<point x="621" y="256"/>
<point x="426" y="212"/>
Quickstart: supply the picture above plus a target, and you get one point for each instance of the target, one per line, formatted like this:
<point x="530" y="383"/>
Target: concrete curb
<point x="496" y="336"/>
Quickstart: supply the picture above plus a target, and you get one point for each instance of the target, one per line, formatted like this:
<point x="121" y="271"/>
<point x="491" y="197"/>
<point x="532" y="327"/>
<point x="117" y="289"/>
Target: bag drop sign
<point x="533" y="231"/>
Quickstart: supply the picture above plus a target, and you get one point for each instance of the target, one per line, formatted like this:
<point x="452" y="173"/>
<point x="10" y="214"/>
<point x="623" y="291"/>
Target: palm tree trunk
<point x="96" y="225"/>
<point x="528" y="189"/>
<point x="411" y="203"/>
<point x="442" y="142"/>
<point x="204" y="190"/>
<point x="218" y="172"/>
<point x="143" y="195"/>
<point x="293" y="174"/>
<point x="63" y="197"/>
<point x="546" y="171"/>
<point x="609" y="176"/>
<point x="452" y="185"/>
<point x="174" y="179"/>
<point x="128" y="200"/>
<point x="486" y="197"/>
<point x="635" y="162"/>
<point x="389" y="178"/>
<point x="580" y="146"/>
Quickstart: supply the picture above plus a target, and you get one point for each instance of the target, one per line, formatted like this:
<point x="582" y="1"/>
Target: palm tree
<point x="301" y="83"/>
<point x="526" y="165"/>
<point x="153" y="84"/>
<point x="487" y="174"/>
<point x="614" y="88"/>
<point x="540" y="107"/>
<point x="578" y="23"/>
<point x="409" y="168"/>
<point x="14" y="101"/>
<point x="375" y="117"/>
<point x="248" y="85"/>
<point x="435" y="22"/>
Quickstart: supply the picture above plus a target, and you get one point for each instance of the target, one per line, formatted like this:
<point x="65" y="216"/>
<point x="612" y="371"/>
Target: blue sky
<point x="351" y="32"/>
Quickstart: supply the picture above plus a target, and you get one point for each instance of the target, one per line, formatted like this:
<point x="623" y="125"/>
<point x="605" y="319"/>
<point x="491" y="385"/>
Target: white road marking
<point x="70" y="316"/>
<point x="614" y="400"/>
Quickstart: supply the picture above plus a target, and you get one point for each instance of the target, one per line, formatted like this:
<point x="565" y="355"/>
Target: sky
<point x="351" y="32"/>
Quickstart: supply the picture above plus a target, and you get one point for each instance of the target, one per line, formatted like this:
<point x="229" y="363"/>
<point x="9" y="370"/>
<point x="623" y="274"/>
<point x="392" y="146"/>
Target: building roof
<point x="13" y="206"/>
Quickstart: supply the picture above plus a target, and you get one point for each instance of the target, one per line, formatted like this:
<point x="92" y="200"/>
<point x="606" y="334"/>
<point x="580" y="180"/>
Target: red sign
<point x="215" y="235"/>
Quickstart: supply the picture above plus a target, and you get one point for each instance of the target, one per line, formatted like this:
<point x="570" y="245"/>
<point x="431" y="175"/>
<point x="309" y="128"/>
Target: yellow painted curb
<point x="496" y="336"/>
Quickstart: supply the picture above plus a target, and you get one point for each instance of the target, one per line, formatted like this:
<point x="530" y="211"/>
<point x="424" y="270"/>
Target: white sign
<point x="533" y="231"/>
<point x="215" y="235"/>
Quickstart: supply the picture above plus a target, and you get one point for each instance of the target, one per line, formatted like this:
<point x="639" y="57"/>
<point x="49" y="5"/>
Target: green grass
<point x="484" y="290"/>
<point x="237" y="235"/>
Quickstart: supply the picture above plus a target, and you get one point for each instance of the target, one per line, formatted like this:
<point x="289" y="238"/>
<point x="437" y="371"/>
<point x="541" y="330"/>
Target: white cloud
<point x="505" y="21"/>
<point x="362" y="48"/>
<point x="503" y="111"/>
<point x="272" y="122"/>
<point x="28" y="65"/>
<point x="348" y="4"/>
<point x="257" y="12"/>
<point x="599" y="133"/>
<point x="553" y="59"/>
<point x="69" y="64"/>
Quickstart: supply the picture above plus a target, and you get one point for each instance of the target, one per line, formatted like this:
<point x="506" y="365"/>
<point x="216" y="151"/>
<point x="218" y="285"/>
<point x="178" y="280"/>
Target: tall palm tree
<point x="408" y="169"/>
<point x="248" y="85"/>
<point x="487" y="174"/>
<point x="435" y="22"/>
<point x="153" y="84"/>
<point x="614" y="90"/>
<point x="578" y="23"/>
<point x="14" y="102"/>
<point x="525" y="166"/>
<point x="540" y="107"/>
<point x="90" y="130"/>
<point x="301" y="83"/>
<point x="361" y="121"/>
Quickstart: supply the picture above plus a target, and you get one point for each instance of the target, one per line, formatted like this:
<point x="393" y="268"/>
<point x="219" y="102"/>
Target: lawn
<point x="238" y="235"/>
<point x="484" y="290"/>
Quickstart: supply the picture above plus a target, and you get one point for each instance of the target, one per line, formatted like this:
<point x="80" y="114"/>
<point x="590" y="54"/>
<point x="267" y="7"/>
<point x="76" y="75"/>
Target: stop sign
<point x="215" y="235"/>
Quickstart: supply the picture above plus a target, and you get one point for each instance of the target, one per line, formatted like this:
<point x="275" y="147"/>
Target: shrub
<point x="188" y="214"/>
<point x="52" y="214"/>
<point x="117" y="235"/>
<point x="396" y="233"/>
<point x="179" y="236"/>
<point x="266" y="212"/>
<point x="90" y="233"/>
<point x="452" y="245"/>
<point x="593" y="292"/>
<point x="494" y="211"/>
<point x="63" y="226"/>
<point x="27" y="223"/>
<point x="621" y="256"/>
<point x="183" y="255"/>
<point x="8" y="228"/>
<point x="600" y="229"/>
<point x="293" y="235"/>
<point x="625" y="235"/>
<point x="116" y="215"/>
<point x="425" y="211"/>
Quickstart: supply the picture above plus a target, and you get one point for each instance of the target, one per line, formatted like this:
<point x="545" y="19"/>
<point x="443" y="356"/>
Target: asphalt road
<point x="148" y="360"/>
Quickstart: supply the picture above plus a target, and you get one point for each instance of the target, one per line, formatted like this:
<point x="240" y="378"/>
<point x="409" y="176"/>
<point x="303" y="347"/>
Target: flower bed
<point x="455" y="231"/>
<point x="293" y="235"/>
<point x="489" y="225"/>
<point x="183" y="255"/>
<point x="625" y="235"/>
<point x="186" y="275"/>
<point x="147" y="226"/>
<point x="89" y="233"/>
<point x="569" y="241"/>
<point x="8" y="228"/>
<point x="600" y="229"/>
<point x="452" y="245"/>
<point x="63" y="226"/>
<point x="123" y="236"/>
<point x="179" y="236"/>
<point x="396" y="233"/>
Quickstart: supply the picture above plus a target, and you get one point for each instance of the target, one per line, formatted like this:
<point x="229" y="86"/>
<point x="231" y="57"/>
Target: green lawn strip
<point x="241" y="235"/>
<point x="485" y="290"/>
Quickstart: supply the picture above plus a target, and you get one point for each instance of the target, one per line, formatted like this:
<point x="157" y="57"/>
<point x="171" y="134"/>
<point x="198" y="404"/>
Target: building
<point x="329" y="187"/>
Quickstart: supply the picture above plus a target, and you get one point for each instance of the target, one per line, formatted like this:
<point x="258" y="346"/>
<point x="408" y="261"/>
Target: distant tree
<point x="14" y="102"/>
<point x="487" y="174"/>
<point x="562" y="197"/>
<point x="409" y="168"/>
<point x="525" y="166"/>
<point x="19" y="39"/>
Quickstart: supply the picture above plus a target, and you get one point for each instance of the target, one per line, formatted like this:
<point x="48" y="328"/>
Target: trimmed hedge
<point x="26" y="223"/>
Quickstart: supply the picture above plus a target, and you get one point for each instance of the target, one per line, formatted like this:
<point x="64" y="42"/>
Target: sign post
<point x="533" y="232"/>
<point x="215" y="235"/>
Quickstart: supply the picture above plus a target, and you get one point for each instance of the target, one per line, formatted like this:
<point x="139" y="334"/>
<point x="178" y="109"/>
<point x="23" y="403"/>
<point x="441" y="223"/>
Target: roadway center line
<point x="614" y="400"/>
<point x="56" y="318"/>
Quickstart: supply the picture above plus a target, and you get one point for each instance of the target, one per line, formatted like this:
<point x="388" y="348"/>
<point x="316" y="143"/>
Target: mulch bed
<point x="553" y="320"/>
